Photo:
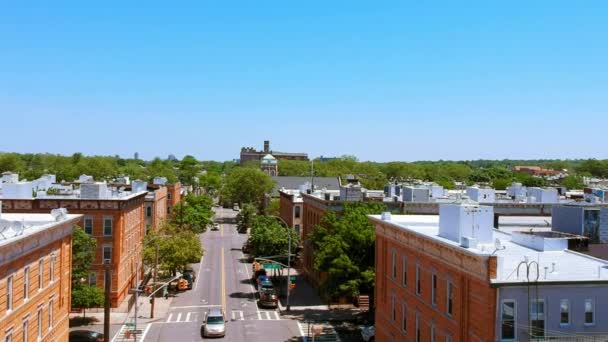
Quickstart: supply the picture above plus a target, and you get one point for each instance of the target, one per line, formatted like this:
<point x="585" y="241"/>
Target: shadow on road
<point x="240" y="295"/>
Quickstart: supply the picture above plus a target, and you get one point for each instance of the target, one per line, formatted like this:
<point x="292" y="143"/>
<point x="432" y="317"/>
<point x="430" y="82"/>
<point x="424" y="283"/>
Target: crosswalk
<point x="235" y="315"/>
<point x="128" y="332"/>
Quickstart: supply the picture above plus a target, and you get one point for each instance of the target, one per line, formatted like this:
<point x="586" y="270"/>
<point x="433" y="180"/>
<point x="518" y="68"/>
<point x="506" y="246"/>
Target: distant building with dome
<point x="249" y="154"/>
<point x="270" y="165"/>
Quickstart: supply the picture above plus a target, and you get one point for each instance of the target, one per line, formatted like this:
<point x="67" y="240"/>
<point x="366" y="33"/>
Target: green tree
<point x="501" y="183"/>
<point x="269" y="237"/>
<point x="210" y="182"/>
<point x="193" y="213"/>
<point x="189" y="169"/>
<point x="83" y="255"/>
<point x="86" y="297"/>
<point x="245" y="217"/>
<point x="273" y="208"/>
<point x="573" y="182"/>
<point x="11" y="162"/>
<point x="176" y="248"/>
<point x="344" y="248"/>
<point x="247" y="185"/>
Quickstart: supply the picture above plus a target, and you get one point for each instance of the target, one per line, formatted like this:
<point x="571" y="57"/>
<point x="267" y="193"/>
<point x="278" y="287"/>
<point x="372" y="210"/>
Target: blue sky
<point x="382" y="80"/>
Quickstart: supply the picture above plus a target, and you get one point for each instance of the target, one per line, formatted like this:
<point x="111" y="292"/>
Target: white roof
<point x="569" y="265"/>
<point x="11" y="224"/>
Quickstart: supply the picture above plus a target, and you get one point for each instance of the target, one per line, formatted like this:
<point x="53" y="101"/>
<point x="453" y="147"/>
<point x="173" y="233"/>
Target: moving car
<point x="368" y="333"/>
<point x="214" y="324"/>
<point x="268" y="298"/>
<point x="85" y="336"/>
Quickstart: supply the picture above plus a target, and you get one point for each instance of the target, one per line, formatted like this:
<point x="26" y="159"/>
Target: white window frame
<point x="434" y="288"/>
<point x="514" y="319"/>
<point x="562" y="302"/>
<point x="40" y="274"/>
<point x="26" y="327"/>
<point x="103" y="253"/>
<point x="52" y="267"/>
<point x="39" y="320"/>
<point x="10" y="293"/>
<point x="88" y="219"/>
<point x="105" y="219"/>
<point x="8" y="337"/>
<point x="589" y="300"/>
<point x="51" y="314"/>
<point x="404" y="271"/>
<point x="26" y="283"/>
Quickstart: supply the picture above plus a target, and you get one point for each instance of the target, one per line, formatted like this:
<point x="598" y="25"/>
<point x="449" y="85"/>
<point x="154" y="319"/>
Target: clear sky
<point x="382" y="80"/>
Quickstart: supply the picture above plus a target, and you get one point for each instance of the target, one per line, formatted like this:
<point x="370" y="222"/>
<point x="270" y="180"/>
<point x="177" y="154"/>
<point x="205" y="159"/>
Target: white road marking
<point x="199" y="273"/>
<point x="302" y="332"/>
<point x="251" y="284"/>
<point x="195" y="306"/>
<point x="179" y="317"/>
<point x="276" y="315"/>
<point x="143" y="335"/>
<point x="169" y="318"/>
<point x="188" y="317"/>
<point x="233" y="315"/>
<point x="259" y="315"/>
<point x="242" y="316"/>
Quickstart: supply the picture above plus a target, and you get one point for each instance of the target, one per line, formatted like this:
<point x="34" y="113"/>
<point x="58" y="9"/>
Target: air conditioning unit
<point x="468" y="242"/>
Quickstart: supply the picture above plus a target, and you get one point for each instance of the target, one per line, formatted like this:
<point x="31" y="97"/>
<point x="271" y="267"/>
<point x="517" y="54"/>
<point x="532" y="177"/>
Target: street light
<point x="288" y="258"/>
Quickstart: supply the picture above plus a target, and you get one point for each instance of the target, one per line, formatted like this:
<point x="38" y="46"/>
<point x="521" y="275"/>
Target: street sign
<point x="292" y="278"/>
<point x="271" y="266"/>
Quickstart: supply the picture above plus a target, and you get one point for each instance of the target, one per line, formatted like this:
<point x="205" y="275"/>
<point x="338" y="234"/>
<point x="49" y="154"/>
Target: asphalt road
<point x="223" y="280"/>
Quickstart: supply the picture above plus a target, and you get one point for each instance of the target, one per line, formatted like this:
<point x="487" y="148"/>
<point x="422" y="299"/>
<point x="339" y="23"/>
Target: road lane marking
<point x="169" y="318"/>
<point x="195" y="306"/>
<point x="276" y="315"/>
<point x="242" y="316"/>
<point x="251" y="284"/>
<point x="143" y="335"/>
<point x="179" y="317"/>
<point x="302" y="332"/>
<point x="188" y="317"/>
<point x="199" y="273"/>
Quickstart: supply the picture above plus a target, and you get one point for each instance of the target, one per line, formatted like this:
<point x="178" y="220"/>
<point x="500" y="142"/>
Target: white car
<point x="368" y="333"/>
<point x="214" y="324"/>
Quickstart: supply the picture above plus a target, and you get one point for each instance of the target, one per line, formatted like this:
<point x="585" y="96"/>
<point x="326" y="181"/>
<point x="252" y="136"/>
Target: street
<point x="223" y="281"/>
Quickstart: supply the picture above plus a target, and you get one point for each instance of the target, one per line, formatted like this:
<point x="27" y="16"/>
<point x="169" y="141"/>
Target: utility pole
<point x="106" y="306"/>
<point x="152" y="300"/>
<point x="136" y="300"/>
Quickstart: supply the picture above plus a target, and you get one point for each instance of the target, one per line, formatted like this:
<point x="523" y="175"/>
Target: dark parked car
<point x="85" y="336"/>
<point x="190" y="276"/>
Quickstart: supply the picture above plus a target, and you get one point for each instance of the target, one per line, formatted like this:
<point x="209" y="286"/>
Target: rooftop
<point x="15" y="227"/>
<point x="555" y="264"/>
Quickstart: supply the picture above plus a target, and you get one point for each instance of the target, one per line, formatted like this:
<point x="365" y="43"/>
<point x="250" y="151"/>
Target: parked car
<point x="262" y="278"/>
<point x="85" y="336"/>
<point x="368" y="333"/>
<point x="268" y="298"/>
<point x="216" y="226"/>
<point x="265" y="285"/>
<point x="214" y="324"/>
<point x="246" y="247"/>
<point x="190" y="276"/>
<point x="182" y="284"/>
<point x="235" y="207"/>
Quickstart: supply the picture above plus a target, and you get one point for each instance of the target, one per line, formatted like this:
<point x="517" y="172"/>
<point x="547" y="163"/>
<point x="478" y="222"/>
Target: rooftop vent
<point x="59" y="214"/>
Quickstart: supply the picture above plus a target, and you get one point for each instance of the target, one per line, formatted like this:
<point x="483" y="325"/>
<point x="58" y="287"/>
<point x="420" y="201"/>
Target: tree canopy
<point x="83" y="255"/>
<point x="269" y="237"/>
<point x="247" y="185"/>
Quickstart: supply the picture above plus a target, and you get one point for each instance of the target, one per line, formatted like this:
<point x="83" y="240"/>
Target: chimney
<point x="266" y="146"/>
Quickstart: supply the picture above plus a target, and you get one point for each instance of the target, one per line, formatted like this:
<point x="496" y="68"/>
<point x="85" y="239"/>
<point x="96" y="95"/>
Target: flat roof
<point x="570" y="266"/>
<point x="32" y="224"/>
<point x="125" y="195"/>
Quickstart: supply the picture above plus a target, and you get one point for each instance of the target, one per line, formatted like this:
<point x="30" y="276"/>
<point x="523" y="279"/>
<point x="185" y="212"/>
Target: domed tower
<point x="270" y="165"/>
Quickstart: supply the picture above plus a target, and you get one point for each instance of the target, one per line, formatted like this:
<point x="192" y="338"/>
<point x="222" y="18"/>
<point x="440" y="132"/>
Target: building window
<point x="404" y="271"/>
<point x="9" y="336"/>
<point x="40" y="274"/>
<point x="297" y="228"/>
<point x="168" y="195"/>
<point x="507" y="320"/>
<point x="168" y="210"/>
<point x="564" y="312"/>
<point x="448" y="338"/>
<point x="417" y="327"/>
<point x="393" y="308"/>
<point x="26" y="328"/>
<point x="589" y="312"/>
<point x="88" y="225"/>
<point x="52" y="267"/>
<point x="107" y="226"/>
<point x="432" y="332"/>
<point x="51" y="315"/>
<point x="537" y="318"/>
<point x="394" y="259"/>
<point x="107" y="254"/>
<point x="9" y="293"/>
<point x="297" y="211"/>
<point x="39" y="319"/>
<point x="418" y="285"/>
<point x="450" y="299"/>
<point x="26" y="283"/>
<point x="403" y="318"/>
<point x="434" y="289"/>
<point x="93" y="279"/>
<point x="149" y="211"/>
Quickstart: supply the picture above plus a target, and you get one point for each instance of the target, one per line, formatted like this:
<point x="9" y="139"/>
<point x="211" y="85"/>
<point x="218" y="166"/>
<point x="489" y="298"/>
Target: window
<point x="394" y="259"/>
<point x="148" y="211"/>
<point x="507" y="320"/>
<point x="168" y="195"/>
<point x="51" y="315"/>
<point x="589" y="312"/>
<point x="418" y="287"/>
<point x="393" y="308"/>
<point x="93" y="279"/>
<point x="52" y="267"/>
<point x="297" y="229"/>
<point x="432" y="332"/>
<point x="107" y="226"/>
<point x="297" y="211"/>
<point x="168" y="210"/>
<point x="537" y="318"/>
<point x="9" y="336"/>
<point x="9" y="293"/>
<point x="564" y="312"/>
<point x="403" y="318"/>
<point x="88" y="225"/>
<point x="417" y="327"/>
<point x="39" y="323"/>
<point x="107" y="253"/>
<point x="434" y="289"/>
<point x="450" y="299"/>
<point x="26" y="283"/>
<point x="40" y="274"/>
<point x="26" y="328"/>
<point x="404" y="271"/>
<point x="448" y="338"/>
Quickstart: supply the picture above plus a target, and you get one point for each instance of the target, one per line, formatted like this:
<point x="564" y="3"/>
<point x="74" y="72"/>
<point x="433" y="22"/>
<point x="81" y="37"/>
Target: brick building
<point x="116" y="219"/>
<point x="250" y="154"/>
<point x="291" y="209"/>
<point x="453" y="277"/>
<point x="35" y="276"/>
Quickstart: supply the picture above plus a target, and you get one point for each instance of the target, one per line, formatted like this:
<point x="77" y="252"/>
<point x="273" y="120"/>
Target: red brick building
<point x="116" y="221"/>
<point x="35" y="277"/>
